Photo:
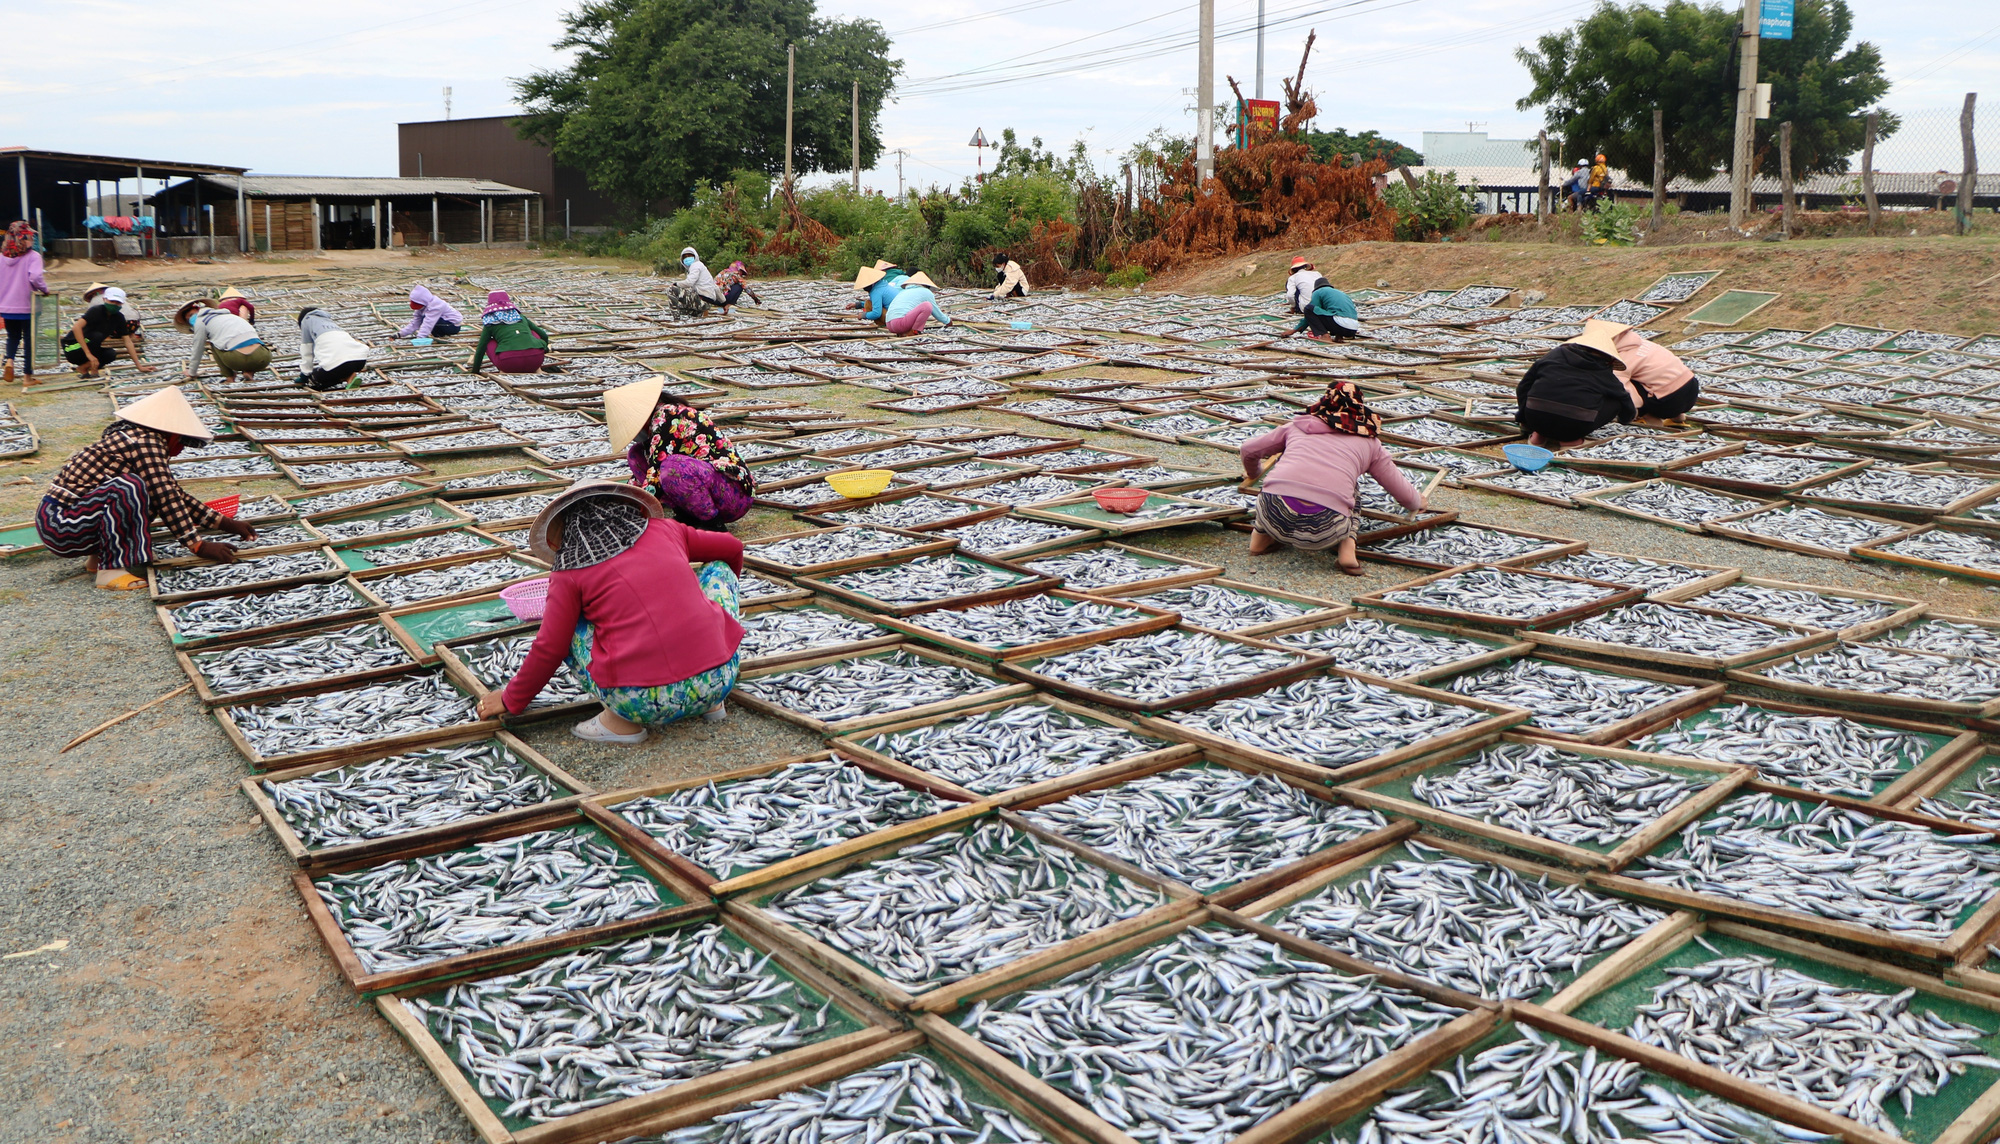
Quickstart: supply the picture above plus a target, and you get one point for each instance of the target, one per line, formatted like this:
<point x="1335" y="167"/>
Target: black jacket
<point x="1576" y="382"/>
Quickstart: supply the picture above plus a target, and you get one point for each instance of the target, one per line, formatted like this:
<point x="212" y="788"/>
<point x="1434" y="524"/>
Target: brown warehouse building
<point x="489" y="149"/>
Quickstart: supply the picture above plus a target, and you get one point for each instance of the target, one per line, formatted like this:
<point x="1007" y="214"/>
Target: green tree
<point x="667" y="95"/>
<point x="1599" y="81"/>
<point x="1362" y="147"/>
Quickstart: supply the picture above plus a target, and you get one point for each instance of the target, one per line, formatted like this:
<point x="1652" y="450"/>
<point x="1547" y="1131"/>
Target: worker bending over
<point x="434" y="317"/>
<point x="102" y="500"/>
<point x="232" y="341"/>
<point x="329" y="357"/>
<point x="914" y="305"/>
<point x="1329" y="313"/>
<point x="1299" y="287"/>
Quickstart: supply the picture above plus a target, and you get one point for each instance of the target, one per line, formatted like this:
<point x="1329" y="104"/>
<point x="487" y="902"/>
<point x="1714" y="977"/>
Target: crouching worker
<point x="914" y="305"/>
<point x="329" y="357"/>
<point x="1576" y="388"/>
<point x="652" y="638"/>
<point x="232" y="341"/>
<point x="101" y="501"/>
<point x="1307" y="500"/>
<point x="1655" y="377"/>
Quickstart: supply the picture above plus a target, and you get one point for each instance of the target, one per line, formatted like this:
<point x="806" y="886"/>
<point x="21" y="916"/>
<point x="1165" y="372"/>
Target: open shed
<point x="319" y="212"/>
<point x="58" y="190"/>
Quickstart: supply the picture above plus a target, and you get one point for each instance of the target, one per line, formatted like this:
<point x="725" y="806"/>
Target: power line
<point x="955" y="22"/>
<point x="1949" y="57"/>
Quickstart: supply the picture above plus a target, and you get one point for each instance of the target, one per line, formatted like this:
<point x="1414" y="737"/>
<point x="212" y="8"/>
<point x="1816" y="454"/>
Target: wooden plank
<point x="1905" y="704"/>
<point x="1659" y="940"/>
<point x="412" y="1029"/>
<point x="967" y="1051"/>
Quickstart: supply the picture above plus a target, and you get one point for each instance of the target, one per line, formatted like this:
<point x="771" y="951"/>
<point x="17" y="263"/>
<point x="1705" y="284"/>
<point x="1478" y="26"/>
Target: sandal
<point x="123" y="582"/>
<point x="1357" y="570"/>
<point x="592" y="730"/>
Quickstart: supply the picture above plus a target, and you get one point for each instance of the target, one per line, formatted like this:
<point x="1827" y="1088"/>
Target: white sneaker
<point x="715" y="714"/>
<point x="597" y="732"/>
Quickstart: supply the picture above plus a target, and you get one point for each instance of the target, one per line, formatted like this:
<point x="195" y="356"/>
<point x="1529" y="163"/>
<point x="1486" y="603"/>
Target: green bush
<point x="1125" y="279"/>
<point x="1614" y="222"/>
<point x="1438" y="207"/>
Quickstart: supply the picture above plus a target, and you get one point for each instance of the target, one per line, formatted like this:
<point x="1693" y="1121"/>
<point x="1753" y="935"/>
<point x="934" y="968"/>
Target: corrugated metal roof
<point x="1886" y="182"/>
<point x="341" y="186"/>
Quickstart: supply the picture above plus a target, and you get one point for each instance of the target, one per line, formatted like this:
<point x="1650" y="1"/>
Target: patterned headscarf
<point x="1342" y="409"/>
<point x="20" y="240"/>
<point x="682" y="430"/>
<point x="500" y="310"/>
<point x="597" y="528"/>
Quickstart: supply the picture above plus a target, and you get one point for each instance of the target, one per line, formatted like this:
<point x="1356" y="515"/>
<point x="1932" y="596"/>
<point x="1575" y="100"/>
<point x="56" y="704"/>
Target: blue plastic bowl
<point x="1528" y="458"/>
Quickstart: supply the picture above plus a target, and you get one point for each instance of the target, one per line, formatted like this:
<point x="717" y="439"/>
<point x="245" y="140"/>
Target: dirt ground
<point x="191" y="1000"/>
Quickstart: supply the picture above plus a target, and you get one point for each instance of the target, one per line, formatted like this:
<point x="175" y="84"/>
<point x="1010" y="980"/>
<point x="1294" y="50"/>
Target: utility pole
<point x="1260" y="49"/>
<point x="900" y="153"/>
<point x="447" y="104"/>
<point x="1746" y="117"/>
<point x="857" y="136"/>
<point x="1204" y="111"/>
<point x="791" y="74"/>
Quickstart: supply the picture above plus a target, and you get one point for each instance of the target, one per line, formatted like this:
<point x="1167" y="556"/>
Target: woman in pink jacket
<point x="653" y="639"/>
<point x="1307" y="498"/>
<point x="20" y="280"/>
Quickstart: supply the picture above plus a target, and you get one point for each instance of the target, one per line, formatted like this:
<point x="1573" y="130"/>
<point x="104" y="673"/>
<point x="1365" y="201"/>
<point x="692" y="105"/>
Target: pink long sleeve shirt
<point x="20" y="280"/>
<point x="651" y="623"/>
<point x="1321" y="465"/>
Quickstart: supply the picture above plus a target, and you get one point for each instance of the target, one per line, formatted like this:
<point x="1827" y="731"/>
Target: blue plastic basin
<point x="1528" y="458"/>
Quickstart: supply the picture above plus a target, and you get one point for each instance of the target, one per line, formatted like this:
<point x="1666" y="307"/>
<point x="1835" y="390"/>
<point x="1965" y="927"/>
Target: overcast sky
<point x="284" y="88"/>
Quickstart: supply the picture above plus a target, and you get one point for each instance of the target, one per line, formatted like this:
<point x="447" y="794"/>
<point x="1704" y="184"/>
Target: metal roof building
<point x="338" y="212"/>
<point x="1513" y="188"/>
<point x="57" y="189"/>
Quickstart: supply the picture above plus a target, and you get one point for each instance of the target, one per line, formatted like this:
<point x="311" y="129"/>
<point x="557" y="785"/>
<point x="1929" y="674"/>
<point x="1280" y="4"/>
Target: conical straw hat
<point x="169" y="412"/>
<point x="1600" y="335"/>
<point x="868" y="276"/>
<point x="920" y="279"/>
<point x="627" y="408"/>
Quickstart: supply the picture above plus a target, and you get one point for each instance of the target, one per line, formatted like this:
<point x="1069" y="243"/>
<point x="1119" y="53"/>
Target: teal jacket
<point x="883" y="293"/>
<point x="1329" y="303"/>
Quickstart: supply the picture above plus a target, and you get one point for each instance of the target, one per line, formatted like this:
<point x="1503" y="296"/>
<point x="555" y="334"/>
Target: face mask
<point x="688" y="261"/>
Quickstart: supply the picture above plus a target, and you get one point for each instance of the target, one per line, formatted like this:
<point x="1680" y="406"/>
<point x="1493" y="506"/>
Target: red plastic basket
<point x="1120" y="500"/>
<point x="527" y="599"/>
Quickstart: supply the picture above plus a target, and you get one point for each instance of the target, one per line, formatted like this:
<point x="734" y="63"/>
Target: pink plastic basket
<point x="527" y="599"/>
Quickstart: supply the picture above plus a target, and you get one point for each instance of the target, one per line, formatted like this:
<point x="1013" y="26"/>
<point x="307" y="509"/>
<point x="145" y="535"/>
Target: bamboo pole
<point x="1868" y="173"/>
<point x="87" y="736"/>
<point x="1969" y="183"/>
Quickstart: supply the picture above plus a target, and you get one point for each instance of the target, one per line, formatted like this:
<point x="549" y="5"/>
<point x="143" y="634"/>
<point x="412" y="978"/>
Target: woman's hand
<point x="146" y="368"/>
<point x="492" y="705"/>
<point x="239" y="529"/>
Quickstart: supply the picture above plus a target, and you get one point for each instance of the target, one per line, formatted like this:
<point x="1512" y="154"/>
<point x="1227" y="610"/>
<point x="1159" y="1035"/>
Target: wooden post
<point x="1785" y="171"/>
<point x="389" y="226"/>
<point x="1970" y="182"/>
<point x="315" y="226"/>
<point x="1868" y="173"/>
<point x="1659" y="170"/>
<point x="857" y="136"/>
<point x="791" y="75"/>
<point x="1409" y="180"/>
<point x="243" y="228"/>
<point x="375" y="217"/>
<point x="1542" y="192"/>
<point x="270" y="239"/>
<point x="434" y="220"/>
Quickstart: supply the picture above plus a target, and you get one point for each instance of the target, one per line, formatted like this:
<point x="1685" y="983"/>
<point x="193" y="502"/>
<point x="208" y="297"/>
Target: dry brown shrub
<point x="799" y="236"/>
<point x="1269" y="191"/>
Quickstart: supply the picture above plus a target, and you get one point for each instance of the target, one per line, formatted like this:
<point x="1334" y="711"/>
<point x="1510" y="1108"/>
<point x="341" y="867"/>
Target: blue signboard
<point x="1774" y="20"/>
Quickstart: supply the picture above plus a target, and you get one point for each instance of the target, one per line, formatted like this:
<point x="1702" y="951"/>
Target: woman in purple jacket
<point x="20" y="280"/>
<point x="1307" y="498"/>
<point x="434" y="316"/>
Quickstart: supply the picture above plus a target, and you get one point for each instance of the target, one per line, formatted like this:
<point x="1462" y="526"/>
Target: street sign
<point x="1774" y="20"/>
<point x="1261" y="117"/>
<point x="979" y="138"/>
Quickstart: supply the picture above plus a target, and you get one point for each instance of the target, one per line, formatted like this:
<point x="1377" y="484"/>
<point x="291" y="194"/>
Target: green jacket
<point x="1328" y="302"/>
<point x="505" y="336"/>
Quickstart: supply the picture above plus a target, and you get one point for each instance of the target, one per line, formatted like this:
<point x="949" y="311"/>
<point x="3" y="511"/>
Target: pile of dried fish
<point x="497" y="661"/>
<point x="751" y="587"/>
<point x="222" y="615"/>
<point x="1499" y="593"/>
<point x="1795" y="606"/>
<point x="369" y="526"/>
<point x="616" y="1021"/>
<point x="434" y="547"/>
<point x="348" y="498"/>
<point x="362" y="714"/>
<point x="1003" y="534"/>
<point x="255" y="570"/>
<point x="1814" y="752"/>
<point x="1203" y="1036"/>
<point x="1884" y="671"/>
<point x="402" y="793"/>
<point x="1802" y="524"/>
<point x="499" y="480"/>
<point x="1224" y="609"/>
<point x="331" y="472"/>
<point x="1644" y="449"/>
<point x="258" y="466"/>
<point x="401" y="914"/>
<point x="782" y="631"/>
<point x="1101" y="568"/>
<point x="1162" y="665"/>
<point x="1530" y="1088"/>
<point x="1567" y="700"/>
<point x="1574" y="799"/>
<point x="300" y="659"/>
<point x="1935" y="491"/>
<point x="434" y="583"/>
<point x="746" y="824"/>
<point x="908" y="1100"/>
<point x="959" y="904"/>
<point x="1206" y="826"/>
<point x="1963" y="549"/>
<point x="1821" y="859"/>
<point x="1036" y="488"/>
<point x="1664" y="627"/>
<point x="926" y="579"/>
<point x="1630" y="571"/>
<point x="1026" y="620"/>
<point x="1475" y="926"/>
<point x="831" y="545"/>
<point x="909" y="512"/>
<point x="268" y="536"/>
<point x="1762" y="468"/>
<point x="866" y="685"/>
<point x="1554" y="481"/>
<point x="1944" y="637"/>
<point x="1330" y="720"/>
<point x="1451" y="544"/>
<point x="507" y="508"/>
<point x="1360" y="643"/>
<point x="351" y="449"/>
<point x="1010" y="747"/>
<point x="1687" y="504"/>
<point x="1781" y="1028"/>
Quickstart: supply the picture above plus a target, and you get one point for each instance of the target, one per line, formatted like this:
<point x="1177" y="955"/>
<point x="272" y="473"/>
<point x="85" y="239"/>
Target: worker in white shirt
<point x="1013" y="279"/>
<point x="1299" y="287"/>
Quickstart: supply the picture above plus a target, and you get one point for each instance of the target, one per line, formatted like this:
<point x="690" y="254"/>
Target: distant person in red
<point x="233" y="301"/>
